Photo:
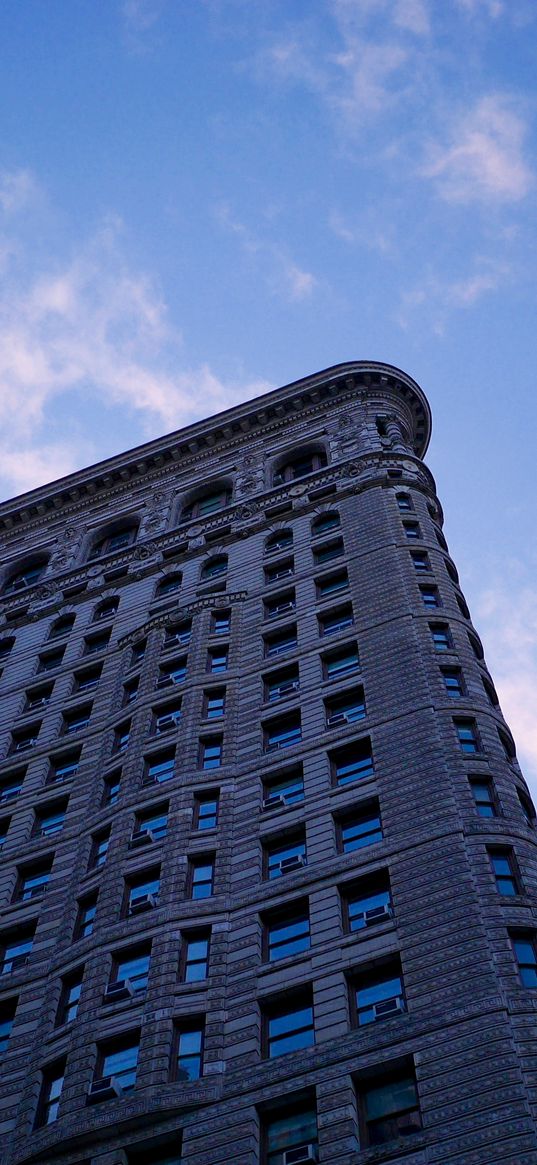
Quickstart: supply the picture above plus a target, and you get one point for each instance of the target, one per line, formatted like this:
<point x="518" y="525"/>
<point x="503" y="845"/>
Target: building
<point x="268" y="863"/>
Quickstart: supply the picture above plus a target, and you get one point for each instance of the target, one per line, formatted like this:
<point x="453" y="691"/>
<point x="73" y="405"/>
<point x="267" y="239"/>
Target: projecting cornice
<point x="233" y="427"/>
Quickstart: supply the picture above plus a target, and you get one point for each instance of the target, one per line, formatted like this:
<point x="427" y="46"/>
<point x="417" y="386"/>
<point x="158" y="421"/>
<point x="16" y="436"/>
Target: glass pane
<point x="395" y="1096"/>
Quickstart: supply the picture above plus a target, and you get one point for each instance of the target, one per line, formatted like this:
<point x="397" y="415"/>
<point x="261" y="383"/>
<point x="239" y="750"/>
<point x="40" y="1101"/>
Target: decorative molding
<point x="165" y="619"/>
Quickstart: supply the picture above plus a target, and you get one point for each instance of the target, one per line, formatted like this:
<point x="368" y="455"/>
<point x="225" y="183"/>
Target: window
<point x="451" y="570"/>
<point x="206" y="811"/>
<point x="287" y="932"/>
<point x="188" y="1053"/>
<point x="143" y="890"/>
<point x="412" y="530"/>
<point x="468" y="736"/>
<point x="50" y="1094"/>
<point x="527" y="807"/>
<point x="282" y="642"/>
<point x="49" y="819"/>
<point x="110" y="543"/>
<point x="99" y="849"/>
<point x="508" y="744"/>
<point x="61" y="626"/>
<point x="160" y="1152"/>
<point x="32" y="882"/>
<point x="331" y="584"/>
<point x="346" y="708"/>
<point x="483" y="794"/>
<point x="159" y="767"/>
<point x="211" y="752"/>
<point x="325" y="522"/>
<point x="441" y="636"/>
<point x="11" y="785"/>
<point x="118" y="1058"/>
<point x="362" y="828"/>
<point x="25" y="738"/>
<point x="282" y="733"/>
<point x="328" y="551"/>
<point x="282" y="569"/>
<point x="69" y="997"/>
<point x="87" y="908"/>
<point x="105" y="610"/>
<point x="138" y="652"/>
<point x="214" y="703"/>
<point x="300" y="466"/>
<point x="453" y="682"/>
<point x="112" y="788"/>
<point x="352" y="763"/>
<point x="88" y="678"/>
<point x="289" y="1025"/>
<point x="77" y="719"/>
<point x="4" y="826"/>
<point x="342" y="662"/>
<point x="181" y="633"/>
<point x="430" y="597"/>
<point x="421" y="561"/>
<point x="490" y="693"/>
<point x="389" y="1107"/>
<point x="278" y="684"/>
<point x="214" y="567"/>
<point x="96" y="643"/>
<point x="6" y="646"/>
<point x="15" y="950"/>
<point x="153" y="824"/>
<point x="526" y="957"/>
<point x="463" y="606"/>
<point x="281" y="540"/>
<point x="280" y="604"/>
<point x="476" y="645"/>
<point x="169" y="585"/>
<point x="201" y="876"/>
<point x="195" y="955"/>
<point x="377" y="994"/>
<point x="26" y="577"/>
<point x="207" y="503"/>
<point x="50" y="659"/>
<point x="172" y="673"/>
<point x="335" y="621"/>
<point x="367" y="903"/>
<point x="166" y="717"/>
<point x="285" y="855"/>
<point x="217" y="659"/>
<point x="220" y="622"/>
<point x="63" y="767"/>
<point x="285" y="788"/>
<point x="289" y="1133"/>
<point x="7" y="1015"/>
<point x="404" y="502"/>
<point x="505" y="872"/>
<point x="132" y="966"/>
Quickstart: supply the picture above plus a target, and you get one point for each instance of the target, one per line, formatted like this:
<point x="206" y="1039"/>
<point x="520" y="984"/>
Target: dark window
<point x="159" y="1152"/>
<point x="404" y="502"/>
<point x="49" y="819"/>
<point x="143" y="891"/>
<point x="284" y="788"/>
<point x="6" y="646"/>
<point x="214" y="567"/>
<point x="331" y="584"/>
<point x="282" y="733"/>
<point x="214" y="703"/>
<point x="14" y="951"/>
<point x="87" y="908"/>
<point x="172" y="673"/>
<point x="50" y="659"/>
<point x="50" y="1094"/>
<point x="451" y="570"/>
<point x="159" y="767"/>
<point x="88" y="678"/>
<point x="505" y="872"/>
<point x="77" y="719"/>
<point x="346" y="708"/>
<point x="334" y="621"/>
<point x="113" y="542"/>
<point x="195" y="955"/>
<point x="290" y="1134"/>
<point x="11" y="785"/>
<point x="287" y="932"/>
<point x="99" y="849"/>
<point x="527" y="806"/>
<point x="284" y="641"/>
<point x="377" y="994"/>
<point x="483" y="794"/>
<point x="208" y="503"/>
<point x="130" y="691"/>
<point x="217" y="659"/>
<point x="412" y="530"/>
<point x="206" y="811"/>
<point x="25" y="738"/>
<point x="367" y="903"/>
<point x="169" y="585"/>
<point x="201" y="876"/>
<point x="121" y="737"/>
<point x="284" y="855"/>
<point x="95" y="643"/>
<point x="220" y="622"/>
<point x="352" y="763"/>
<point x="105" y="610"/>
<point x="211" y="752"/>
<point x="468" y="736"/>
<point x="289" y="1025"/>
<point x="280" y="604"/>
<point x="112" y="788"/>
<point x="441" y="636"/>
<point x="188" y="1053"/>
<point x="278" y="684"/>
<point x="32" y="882"/>
<point x="181" y="633"/>
<point x="282" y="569"/>
<point x="526" y="956"/>
<point x="153" y="824"/>
<point x="4" y="826"/>
<point x="507" y="744"/>
<point x="389" y="1107"/>
<point x="281" y="540"/>
<point x="325" y="522"/>
<point x="61" y="626"/>
<point x="118" y="1058"/>
<point x="132" y="967"/>
<point x="363" y="828"/>
<point x="166" y="717"/>
<point x="299" y="466"/>
<point x="138" y="652"/>
<point x="476" y="645"/>
<point x="24" y="578"/>
<point x="328" y="551"/>
<point x="463" y="606"/>
<point x="453" y="682"/>
<point x="343" y="662"/>
<point x="421" y="561"/>
<point x="430" y="597"/>
<point x="7" y="1015"/>
<point x="69" y="997"/>
<point x="63" y="767"/>
<point x="490" y="693"/>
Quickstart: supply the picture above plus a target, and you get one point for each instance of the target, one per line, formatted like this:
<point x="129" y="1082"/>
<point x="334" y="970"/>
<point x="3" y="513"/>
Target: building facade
<point x="268" y="862"/>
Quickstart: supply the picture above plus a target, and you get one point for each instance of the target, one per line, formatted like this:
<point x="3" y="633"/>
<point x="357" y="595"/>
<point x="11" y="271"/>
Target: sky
<point x="204" y="199"/>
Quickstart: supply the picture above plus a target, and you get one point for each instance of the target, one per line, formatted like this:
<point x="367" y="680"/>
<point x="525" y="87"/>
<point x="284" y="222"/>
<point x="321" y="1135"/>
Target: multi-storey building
<point x="268" y="869"/>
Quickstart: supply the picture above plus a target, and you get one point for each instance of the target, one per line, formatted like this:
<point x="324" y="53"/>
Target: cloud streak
<point x="483" y="159"/>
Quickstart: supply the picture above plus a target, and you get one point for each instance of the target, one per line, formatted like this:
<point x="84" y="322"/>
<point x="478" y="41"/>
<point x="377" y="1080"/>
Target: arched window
<point x="169" y="584"/>
<point x="115" y="540"/>
<point x="27" y="576"/>
<point x="214" y="567"/>
<point x="281" y="540"/>
<point x="325" y="522"/>
<point x="206" y="503"/>
<point x="61" y="626"/>
<point x="106" y="609"/>
<point x="300" y="465"/>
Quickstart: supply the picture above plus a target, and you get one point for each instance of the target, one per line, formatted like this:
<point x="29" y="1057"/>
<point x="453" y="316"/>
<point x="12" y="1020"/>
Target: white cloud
<point x="492" y="8"/>
<point x="440" y="296"/>
<point x="412" y="15"/>
<point x="283" y="275"/>
<point x="140" y="15"/>
<point x="18" y="190"/>
<point x="483" y="159"/>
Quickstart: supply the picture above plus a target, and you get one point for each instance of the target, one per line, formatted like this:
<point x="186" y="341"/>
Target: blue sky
<point x="202" y="199"/>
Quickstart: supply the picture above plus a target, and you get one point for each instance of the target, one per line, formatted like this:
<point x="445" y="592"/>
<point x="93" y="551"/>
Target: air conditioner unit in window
<point x="377" y="914"/>
<point x="22" y="744"/>
<point x="164" y="682"/>
<point x="300" y="1153"/>
<point x="150" y="779"/>
<point x="144" y="902"/>
<point x="336" y="718"/>
<point x="410" y="1122"/>
<point x="389" y="1007"/>
<point x="276" y="802"/>
<point x="140" y="838"/>
<point x="107" y="1088"/>
<point x="121" y="989"/>
<point x="296" y="862"/>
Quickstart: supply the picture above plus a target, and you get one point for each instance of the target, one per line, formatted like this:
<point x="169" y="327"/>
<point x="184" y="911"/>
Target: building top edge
<point x="357" y="374"/>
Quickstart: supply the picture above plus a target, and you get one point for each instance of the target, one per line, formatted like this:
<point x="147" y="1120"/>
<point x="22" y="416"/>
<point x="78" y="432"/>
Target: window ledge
<point x="394" y="1150"/>
<point x="289" y="961"/>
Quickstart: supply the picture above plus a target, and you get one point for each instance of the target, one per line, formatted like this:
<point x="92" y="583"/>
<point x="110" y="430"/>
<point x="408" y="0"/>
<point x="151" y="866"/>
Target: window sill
<point x="266" y="969"/>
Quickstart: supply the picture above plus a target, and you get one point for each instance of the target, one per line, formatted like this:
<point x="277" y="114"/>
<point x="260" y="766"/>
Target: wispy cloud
<point x="439" y="297"/>
<point x="18" y="190"/>
<point x="483" y="160"/>
<point x="140" y="18"/>
<point x="282" y="273"/>
<point x="492" y="8"/>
